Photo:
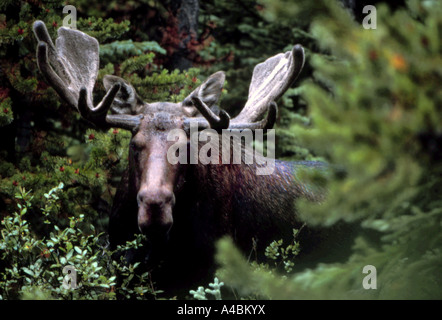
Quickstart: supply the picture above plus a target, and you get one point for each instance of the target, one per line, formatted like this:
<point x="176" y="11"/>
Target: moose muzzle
<point x="155" y="212"/>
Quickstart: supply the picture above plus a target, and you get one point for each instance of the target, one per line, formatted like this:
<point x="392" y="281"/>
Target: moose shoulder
<point x="183" y="208"/>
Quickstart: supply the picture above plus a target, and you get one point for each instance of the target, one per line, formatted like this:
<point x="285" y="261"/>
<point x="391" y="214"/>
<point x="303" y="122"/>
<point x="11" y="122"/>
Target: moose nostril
<point x="158" y="197"/>
<point x="144" y="220"/>
<point x="141" y="196"/>
<point x="166" y="197"/>
<point x="169" y="198"/>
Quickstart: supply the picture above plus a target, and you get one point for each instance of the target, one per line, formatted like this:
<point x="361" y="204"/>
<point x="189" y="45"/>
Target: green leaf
<point x="28" y="271"/>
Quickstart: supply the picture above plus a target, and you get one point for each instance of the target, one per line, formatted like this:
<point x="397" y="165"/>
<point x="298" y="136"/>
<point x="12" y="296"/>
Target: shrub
<point x="33" y="266"/>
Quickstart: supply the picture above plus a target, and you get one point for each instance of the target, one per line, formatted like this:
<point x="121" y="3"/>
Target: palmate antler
<point x="269" y="82"/>
<point x="71" y="68"/>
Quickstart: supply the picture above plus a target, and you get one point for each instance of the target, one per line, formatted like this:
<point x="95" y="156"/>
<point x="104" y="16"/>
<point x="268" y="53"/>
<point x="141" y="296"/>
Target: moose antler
<point x="269" y="82"/>
<point x="71" y="67"/>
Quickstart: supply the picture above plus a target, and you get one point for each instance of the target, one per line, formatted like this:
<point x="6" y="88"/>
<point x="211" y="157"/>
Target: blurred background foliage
<point x="374" y="99"/>
<point x="367" y="101"/>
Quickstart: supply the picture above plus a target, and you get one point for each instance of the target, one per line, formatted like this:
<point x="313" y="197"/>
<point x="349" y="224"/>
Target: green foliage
<point x="249" y="280"/>
<point x="253" y="280"/>
<point x="375" y="123"/>
<point x="136" y="63"/>
<point x="107" y="149"/>
<point x="103" y="29"/>
<point x="200" y="293"/>
<point x="86" y="173"/>
<point x="276" y="252"/>
<point x="33" y="265"/>
<point x="166" y="86"/>
<point x="118" y="50"/>
<point x="6" y="116"/>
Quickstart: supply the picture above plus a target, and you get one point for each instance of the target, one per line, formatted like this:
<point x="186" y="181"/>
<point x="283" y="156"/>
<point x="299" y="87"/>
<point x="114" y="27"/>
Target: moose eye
<point x="187" y="103"/>
<point x="136" y="148"/>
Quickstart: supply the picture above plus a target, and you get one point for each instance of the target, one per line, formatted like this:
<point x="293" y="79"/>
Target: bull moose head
<point x="71" y="68"/>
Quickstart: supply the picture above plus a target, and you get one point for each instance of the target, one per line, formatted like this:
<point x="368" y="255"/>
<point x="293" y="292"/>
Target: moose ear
<point x="208" y="92"/>
<point x="126" y="100"/>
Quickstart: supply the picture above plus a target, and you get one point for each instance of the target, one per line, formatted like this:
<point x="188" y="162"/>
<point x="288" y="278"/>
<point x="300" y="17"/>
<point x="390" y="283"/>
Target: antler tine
<point x="223" y="121"/>
<point x="215" y="122"/>
<point x="42" y="35"/>
<point x="46" y="53"/>
<point x="99" y="116"/>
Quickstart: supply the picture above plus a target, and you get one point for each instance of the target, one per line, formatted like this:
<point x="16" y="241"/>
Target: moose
<point x="182" y="209"/>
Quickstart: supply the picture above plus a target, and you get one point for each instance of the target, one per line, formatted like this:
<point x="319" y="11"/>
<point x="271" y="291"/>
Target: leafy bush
<point x="33" y="266"/>
<point x="215" y="291"/>
<point x="279" y="264"/>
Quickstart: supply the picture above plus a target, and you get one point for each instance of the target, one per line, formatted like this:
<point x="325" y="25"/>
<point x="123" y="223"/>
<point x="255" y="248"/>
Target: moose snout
<point x="158" y="196"/>
<point x="155" y="212"/>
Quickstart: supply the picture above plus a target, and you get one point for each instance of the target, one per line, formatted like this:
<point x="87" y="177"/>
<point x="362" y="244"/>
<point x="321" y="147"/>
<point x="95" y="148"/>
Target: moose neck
<point x="231" y="197"/>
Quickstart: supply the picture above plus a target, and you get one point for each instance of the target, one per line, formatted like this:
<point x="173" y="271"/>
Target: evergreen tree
<point x="375" y="106"/>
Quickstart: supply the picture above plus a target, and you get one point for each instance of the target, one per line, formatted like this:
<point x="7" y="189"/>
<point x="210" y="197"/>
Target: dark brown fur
<point x="215" y="200"/>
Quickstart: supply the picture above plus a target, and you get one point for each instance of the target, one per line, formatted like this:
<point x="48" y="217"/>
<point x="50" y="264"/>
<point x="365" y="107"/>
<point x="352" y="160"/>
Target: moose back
<point x="182" y="208"/>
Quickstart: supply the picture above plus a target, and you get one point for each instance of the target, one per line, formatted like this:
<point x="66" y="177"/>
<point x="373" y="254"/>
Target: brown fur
<point x="214" y="200"/>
